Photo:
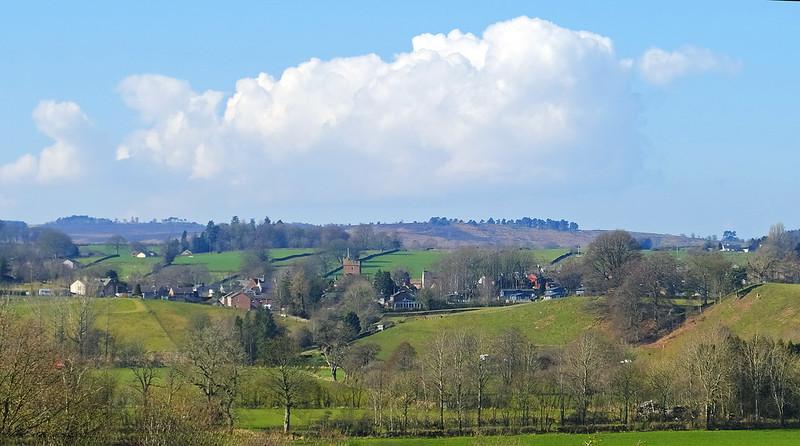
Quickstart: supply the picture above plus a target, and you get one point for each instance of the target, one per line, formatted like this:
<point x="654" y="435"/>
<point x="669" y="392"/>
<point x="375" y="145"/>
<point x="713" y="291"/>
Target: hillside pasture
<point x="553" y="322"/>
<point x="219" y="265"/>
<point x="159" y="326"/>
<point x="416" y="261"/>
<point x="279" y="253"/>
<point x="413" y="261"/>
<point x="768" y="310"/>
<point x="127" y="265"/>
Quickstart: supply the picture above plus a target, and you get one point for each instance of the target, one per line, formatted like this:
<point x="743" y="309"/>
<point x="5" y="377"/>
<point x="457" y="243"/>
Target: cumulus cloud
<point x="66" y="124"/>
<point x="525" y="104"/>
<point x="660" y="67"/>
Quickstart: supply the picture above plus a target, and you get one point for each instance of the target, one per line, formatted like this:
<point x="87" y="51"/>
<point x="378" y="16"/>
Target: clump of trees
<point x="239" y="235"/>
<point x="527" y="222"/>
<point x="33" y="254"/>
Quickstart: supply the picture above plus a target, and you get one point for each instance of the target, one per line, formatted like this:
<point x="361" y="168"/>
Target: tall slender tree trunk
<point x="480" y="404"/>
<point x="441" y="411"/>
<point x="287" y="418"/>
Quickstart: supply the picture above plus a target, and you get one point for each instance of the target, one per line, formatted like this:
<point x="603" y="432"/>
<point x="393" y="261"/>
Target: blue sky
<point x="699" y="141"/>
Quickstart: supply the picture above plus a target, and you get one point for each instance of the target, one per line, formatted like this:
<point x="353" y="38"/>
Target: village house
<point x="429" y="280"/>
<point x="184" y="294"/>
<point x="109" y="287"/>
<point x="255" y="286"/>
<point x="404" y="299"/>
<point x="237" y="299"/>
<point x="517" y="295"/>
<point x="78" y="288"/>
<point x="156" y="293"/>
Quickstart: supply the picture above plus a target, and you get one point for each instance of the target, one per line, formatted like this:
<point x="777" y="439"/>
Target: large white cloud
<point x="66" y="124"/>
<point x="661" y="67"/>
<point x="527" y="104"/>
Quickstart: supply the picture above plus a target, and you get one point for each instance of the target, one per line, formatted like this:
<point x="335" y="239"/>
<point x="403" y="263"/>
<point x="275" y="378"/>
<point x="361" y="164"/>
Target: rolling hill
<point x="159" y="326"/>
<point x="454" y="235"/>
<point x="554" y="322"/>
<point x="770" y="310"/>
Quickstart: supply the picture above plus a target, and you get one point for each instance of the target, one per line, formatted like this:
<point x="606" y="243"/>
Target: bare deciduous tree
<point x="709" y="365"/>
<point x="213" y="365"/>
<point x="607" y="256"/>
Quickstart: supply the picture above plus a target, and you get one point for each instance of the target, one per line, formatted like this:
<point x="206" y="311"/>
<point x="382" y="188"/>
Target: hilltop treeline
<point x="238" y="235"/>
<point x="527" y="222"/>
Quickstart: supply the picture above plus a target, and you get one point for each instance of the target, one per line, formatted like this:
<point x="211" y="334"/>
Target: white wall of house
<point x="78" y="288"/>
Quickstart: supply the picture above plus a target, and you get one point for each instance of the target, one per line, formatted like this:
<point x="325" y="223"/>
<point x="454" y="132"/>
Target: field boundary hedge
<point x="101" y="259"/>
<point x="293" y="256"/>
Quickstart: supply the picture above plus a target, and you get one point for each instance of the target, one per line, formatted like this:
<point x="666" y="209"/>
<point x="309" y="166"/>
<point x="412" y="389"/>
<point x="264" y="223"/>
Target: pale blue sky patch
<point x="674" y="117"/>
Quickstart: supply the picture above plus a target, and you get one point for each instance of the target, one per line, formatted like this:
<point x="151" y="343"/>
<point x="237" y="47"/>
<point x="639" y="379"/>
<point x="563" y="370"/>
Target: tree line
<point x="527" y="222"/>
<point x="239" y="235"/>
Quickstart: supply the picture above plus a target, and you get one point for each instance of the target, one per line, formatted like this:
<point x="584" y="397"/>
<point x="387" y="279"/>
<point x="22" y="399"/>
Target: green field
<point x="273" y="418"/>
<point x="278" y="253"/>
<point x="554" y="322"/>
<point x="413" y="261"/>
<point x="417" y="261"/>
<point x="104" y="249"/>
<point x="667" y="438"/>
<point x="159" y="325"/>
<point x="548" y="255"/>
<point x="218" y="264"/>
<point x="127" y="265"/>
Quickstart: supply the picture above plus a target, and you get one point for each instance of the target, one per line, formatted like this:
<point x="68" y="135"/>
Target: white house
<point x="71" y="264"/>
<point x="140" y="255"/>
<point x="78" y="288"/>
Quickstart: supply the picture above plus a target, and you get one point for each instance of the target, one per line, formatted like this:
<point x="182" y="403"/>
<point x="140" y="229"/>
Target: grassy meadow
<point x="159" y="326"/>
<point x="219" y="265"/>
<point x="416" y="261"/>
<point x="413" y="261"/>
<point x="553" y="322"/>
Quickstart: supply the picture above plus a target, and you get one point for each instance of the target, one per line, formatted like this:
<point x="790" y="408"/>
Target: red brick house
<point x="238" y="300"/>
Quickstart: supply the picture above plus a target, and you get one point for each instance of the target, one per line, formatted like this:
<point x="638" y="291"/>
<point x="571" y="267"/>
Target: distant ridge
<point x="454" y="235"/>
<point x="85" y="229"/>
<point x="436" y="233"/>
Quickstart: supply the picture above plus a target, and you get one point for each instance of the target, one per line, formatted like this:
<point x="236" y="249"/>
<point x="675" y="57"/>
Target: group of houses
<point x="251" y="293"/>
<point x="244" y="294"/>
